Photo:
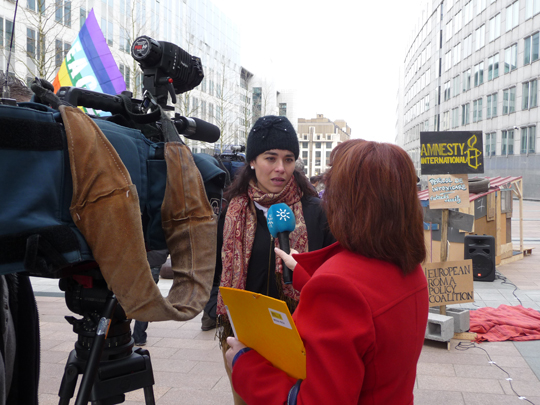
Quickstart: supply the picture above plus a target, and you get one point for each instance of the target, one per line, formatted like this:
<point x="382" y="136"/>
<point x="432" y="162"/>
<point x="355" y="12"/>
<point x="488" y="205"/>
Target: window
<point x="493" y="67"/>
<point x="480" y="37"/>
<point x="30" y="43"/>
<point x="531" y="8"/>
<point x="457" y="53"/>
<point x="317" y="145"/>
<point x="495" y="27"/>
<point x="106" y="20"/>
<point x="124" y="41"/>
<point x="203" y="108"/>
<point x="328" y="145"/>
<point x="456" y="85"/>
<point x="531" y="49"/>
<point x="509" y="100"/>
<point x="304" y="154"/>
<point x="305" y="145"/>
<point x="5" y="40"/>
<point x="446" y="121"/>
<point x="449" y="30"/>
<point x="63" y="12"/>
<point x="510" y="58"/>
<point x="467" y="46"/>
<point x="455" y="117"/>
<point x="479" y="74"/>
<point x="512" y="16"/>
<point x="467" y="13"/>
<point x="467" y="80"/>
<point x="529" y="96"/>
<point x="61" y="49"/>
<point x="82" y="17"/>
<point x="490" y="143"/>
<point x="465" y="114"/>
<point x="447" y="60"/>
<point x="477" y="110"/>
<point x="124" y="70"/>
<point x="31" y="4"/>
<point x="507" y="143"/>
<point x="491" y="107"/>
<point x="458" y="22"/>
<point x="211" y="112"/>
<point x="480" y="6"/>
<point x="283" y="109"/>
<point x="528" y="140"/>
<point x="447" y="91"/>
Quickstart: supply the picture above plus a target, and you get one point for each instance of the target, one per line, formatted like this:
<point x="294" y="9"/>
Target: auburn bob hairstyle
<point x="372" y="204"/>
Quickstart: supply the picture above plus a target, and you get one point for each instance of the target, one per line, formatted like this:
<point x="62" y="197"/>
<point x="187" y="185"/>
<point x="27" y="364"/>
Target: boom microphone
<point x="196" y="129"/>
<point x="281" y="222"/>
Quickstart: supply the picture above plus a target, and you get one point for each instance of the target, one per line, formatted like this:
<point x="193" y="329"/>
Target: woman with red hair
<point x="363" y="301"/>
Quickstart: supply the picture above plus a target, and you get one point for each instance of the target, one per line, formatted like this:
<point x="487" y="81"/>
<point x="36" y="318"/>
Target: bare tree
<point x="48" y="24"/>
<point x="132" y="22"/>
<point x="227" y="106"/>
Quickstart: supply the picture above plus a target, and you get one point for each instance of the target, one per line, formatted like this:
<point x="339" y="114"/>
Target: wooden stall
<point x="492" y="211"/>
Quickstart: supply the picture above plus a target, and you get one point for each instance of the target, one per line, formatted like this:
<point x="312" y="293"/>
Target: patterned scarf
<point x="239" y="234"/>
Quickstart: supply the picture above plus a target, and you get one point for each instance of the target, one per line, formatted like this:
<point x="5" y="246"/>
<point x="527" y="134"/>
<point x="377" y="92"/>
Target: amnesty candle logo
<point x="451" y="152"/>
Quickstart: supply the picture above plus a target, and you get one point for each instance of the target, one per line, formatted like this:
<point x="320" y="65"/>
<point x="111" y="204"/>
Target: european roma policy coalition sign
<point x="451" y="152"/>
<point x="449" y="282"/>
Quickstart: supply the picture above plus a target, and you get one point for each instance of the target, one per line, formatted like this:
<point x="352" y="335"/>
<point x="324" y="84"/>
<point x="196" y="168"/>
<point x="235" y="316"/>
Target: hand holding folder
<point x="265" y="324"/>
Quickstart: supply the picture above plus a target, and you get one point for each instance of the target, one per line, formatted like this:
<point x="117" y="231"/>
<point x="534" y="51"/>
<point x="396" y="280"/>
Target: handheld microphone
<point x="281" y="222"/>
<point x="196" y="129"/>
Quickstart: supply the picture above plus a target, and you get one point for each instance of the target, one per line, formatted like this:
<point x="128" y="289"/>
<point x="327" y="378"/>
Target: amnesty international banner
<point x="449" y="282"/>
<point x="451" y="152"/>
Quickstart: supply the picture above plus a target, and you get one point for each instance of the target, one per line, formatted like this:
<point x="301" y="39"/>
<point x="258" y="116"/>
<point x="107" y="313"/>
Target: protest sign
<point x="449" y="282"/>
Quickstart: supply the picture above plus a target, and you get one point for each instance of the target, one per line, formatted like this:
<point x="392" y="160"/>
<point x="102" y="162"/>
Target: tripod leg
<point x="149" y="395"/>
<point x="69" y="380"/>
<point x="96" y="351"/>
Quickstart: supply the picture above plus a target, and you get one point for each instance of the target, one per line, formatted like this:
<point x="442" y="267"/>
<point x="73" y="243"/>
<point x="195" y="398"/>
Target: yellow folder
<point x="265" y="324"/>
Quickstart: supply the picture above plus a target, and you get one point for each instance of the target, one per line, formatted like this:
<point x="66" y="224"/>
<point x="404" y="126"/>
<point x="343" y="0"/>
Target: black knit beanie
<point x="271" y="132"/>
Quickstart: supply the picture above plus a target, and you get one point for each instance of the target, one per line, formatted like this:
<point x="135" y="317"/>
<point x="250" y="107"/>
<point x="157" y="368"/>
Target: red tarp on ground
<point x="505" y="323"/>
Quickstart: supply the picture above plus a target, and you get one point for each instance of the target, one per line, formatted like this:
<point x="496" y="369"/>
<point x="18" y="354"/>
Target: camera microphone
<point x="196" y="129"/>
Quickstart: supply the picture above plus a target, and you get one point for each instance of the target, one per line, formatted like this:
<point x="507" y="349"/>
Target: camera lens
<point x="146" y="51"/>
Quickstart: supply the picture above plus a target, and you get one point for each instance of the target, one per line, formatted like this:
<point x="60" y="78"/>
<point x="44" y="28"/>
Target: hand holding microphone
<point x="281" y="223"/>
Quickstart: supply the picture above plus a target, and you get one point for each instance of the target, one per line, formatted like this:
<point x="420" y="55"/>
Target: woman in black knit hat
<point x="246" y="258"/>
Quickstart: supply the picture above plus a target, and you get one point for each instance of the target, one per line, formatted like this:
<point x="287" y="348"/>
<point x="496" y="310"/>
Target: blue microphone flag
<point x="280" y="218"/>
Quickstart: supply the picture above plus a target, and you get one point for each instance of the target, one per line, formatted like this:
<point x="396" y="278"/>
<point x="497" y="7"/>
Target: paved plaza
<point x="188" y="366"/>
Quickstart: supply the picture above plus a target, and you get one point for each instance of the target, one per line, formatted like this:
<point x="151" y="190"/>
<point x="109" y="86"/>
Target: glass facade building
<point x="474" y="65"/>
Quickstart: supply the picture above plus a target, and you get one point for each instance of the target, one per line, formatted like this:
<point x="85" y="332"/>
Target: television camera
<point x="104" y="354"/>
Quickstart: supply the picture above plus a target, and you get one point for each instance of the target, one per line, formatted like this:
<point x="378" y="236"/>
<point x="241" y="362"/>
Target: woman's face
<point x="273" y="169"/>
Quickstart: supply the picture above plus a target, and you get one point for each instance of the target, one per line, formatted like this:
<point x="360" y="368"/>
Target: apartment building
<point x="317" y="137"/>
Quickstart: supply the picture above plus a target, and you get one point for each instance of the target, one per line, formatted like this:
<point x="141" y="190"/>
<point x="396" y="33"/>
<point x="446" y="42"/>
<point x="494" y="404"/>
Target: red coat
<point x="363" y="324"/>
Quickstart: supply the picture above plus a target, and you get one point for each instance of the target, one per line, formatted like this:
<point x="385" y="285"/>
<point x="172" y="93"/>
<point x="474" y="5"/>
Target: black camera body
<point x="166" y="68"/>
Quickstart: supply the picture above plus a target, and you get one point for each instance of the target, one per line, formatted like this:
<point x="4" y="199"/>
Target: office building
<point x="318" y="136"/>
<point x="474" y="65"/>
<point x="228" y="94"/>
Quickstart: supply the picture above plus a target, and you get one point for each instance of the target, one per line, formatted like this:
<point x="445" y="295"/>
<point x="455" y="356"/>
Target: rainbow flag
<point x="89" y="63"/>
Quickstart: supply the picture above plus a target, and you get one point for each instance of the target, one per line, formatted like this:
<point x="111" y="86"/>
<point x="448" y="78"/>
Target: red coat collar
<point x="311" y="261"/>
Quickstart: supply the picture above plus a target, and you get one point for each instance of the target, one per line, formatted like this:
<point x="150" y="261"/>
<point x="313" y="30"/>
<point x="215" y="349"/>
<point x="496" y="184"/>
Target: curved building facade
<point x="475" y="65"/>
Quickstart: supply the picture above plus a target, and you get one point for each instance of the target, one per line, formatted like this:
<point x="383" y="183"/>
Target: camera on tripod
<point x="43" y="240"/>
<point x="167" y="68"/>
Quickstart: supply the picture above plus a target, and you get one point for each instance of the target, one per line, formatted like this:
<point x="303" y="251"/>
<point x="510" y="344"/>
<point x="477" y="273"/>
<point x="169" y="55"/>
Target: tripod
<point x="103" y="353"/>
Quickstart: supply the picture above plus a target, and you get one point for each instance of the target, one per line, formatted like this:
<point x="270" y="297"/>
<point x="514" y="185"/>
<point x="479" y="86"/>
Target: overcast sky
<point x="343" y="56"/>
